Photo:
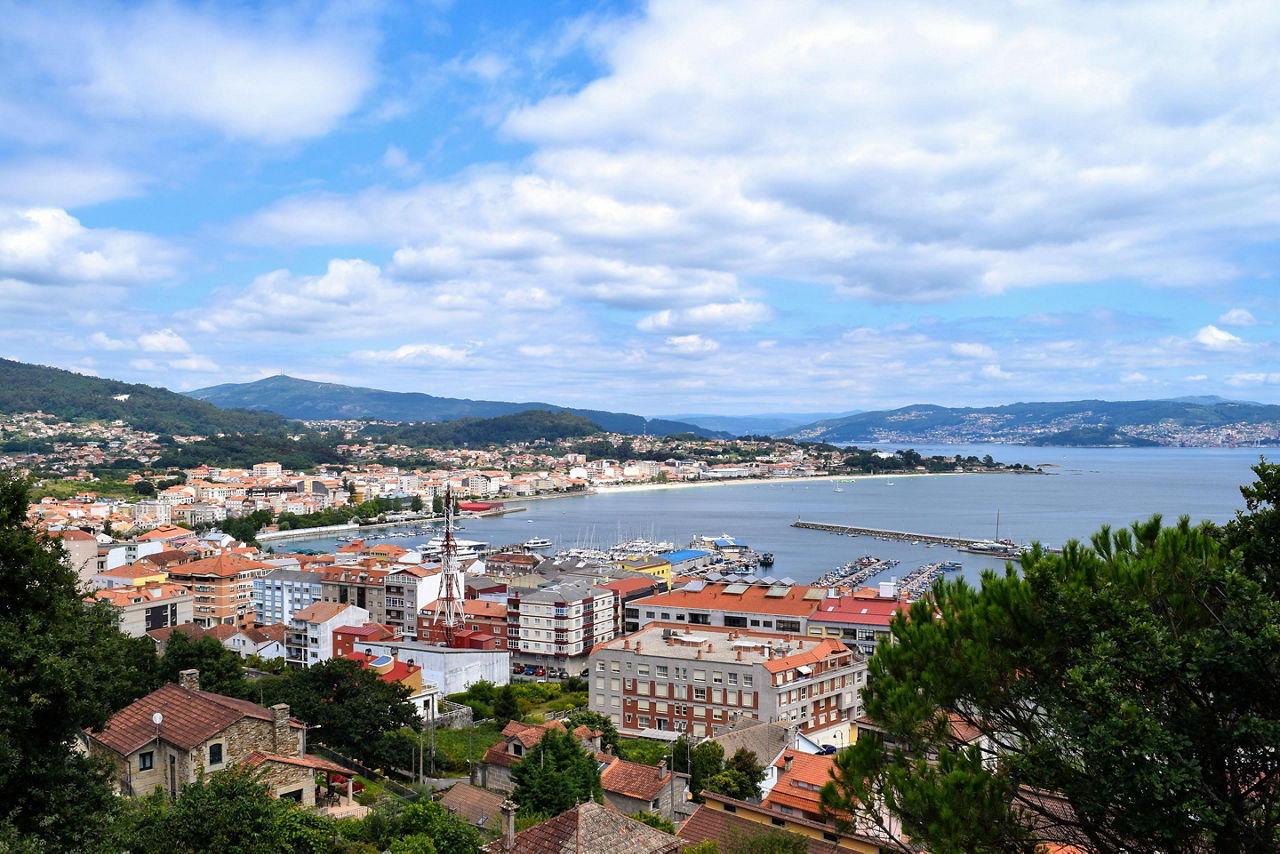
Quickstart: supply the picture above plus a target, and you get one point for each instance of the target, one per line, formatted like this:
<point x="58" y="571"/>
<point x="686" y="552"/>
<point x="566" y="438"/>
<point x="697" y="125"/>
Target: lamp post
<point x="306" y="729"/>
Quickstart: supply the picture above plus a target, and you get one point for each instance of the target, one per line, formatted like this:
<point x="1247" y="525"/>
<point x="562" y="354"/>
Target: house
<point x="518" y="739"/>
<point x="723" y="818"/>
<point x="588" y="828"/>
<point x="630" y="787"/>
<point x="266" y="642"/>
<point x="713" y="823"/>
<point x="138" y="574"/>
<point x="767" y="742"/>
<point x="424" y="695"/>
<point x="475" y="806"/>
<point x="82" y="553"/>
<point x="800" y="778"/>
<point x="178" y="733"/>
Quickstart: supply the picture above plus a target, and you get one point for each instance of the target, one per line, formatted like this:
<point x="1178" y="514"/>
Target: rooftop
<point x="714" y="643"/>
<point x="798" y="600"/>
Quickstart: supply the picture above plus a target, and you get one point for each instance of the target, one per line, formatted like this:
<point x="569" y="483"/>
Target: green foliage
<point x="556" y="774"/>
<point x="299" y="450"/>
<point x="741" y="777"/>
<point x="352" y="705"/>
<point x="229" y="810"/>
<point x="701" y="763"/>
<point x="76" y="397"/>
<point x="505" y="706"/>
<point x="221" y="670"/>
<point x="1137" y="678"/>
<point x="706" y="846"/>
<point x="66" y="667"/>
<point x="655" y="821"/>
<point x="448" y="834"/>
<point x="452" y="746"/>
<point x="643" y="750"/>
<point x="528" y="426"/>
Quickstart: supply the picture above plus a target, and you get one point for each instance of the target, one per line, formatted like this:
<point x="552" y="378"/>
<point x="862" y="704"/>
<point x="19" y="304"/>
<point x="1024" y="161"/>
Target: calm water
<point x="1089" y="487"/>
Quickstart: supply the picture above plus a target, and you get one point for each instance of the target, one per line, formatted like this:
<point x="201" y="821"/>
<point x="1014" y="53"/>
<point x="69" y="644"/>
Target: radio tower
<point x="449" y="604"/>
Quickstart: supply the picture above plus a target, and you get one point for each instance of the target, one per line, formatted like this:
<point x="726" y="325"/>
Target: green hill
<point x="76" y="397"/>
<point x="314" y="401"/>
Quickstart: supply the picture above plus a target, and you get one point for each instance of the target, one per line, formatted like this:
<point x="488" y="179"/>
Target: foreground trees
<point x="1138" y="679"/>
<point x="556" y="774"/>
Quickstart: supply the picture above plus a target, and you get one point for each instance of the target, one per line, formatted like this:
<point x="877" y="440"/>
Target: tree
<point x="773" y="841"/>
<point x="556" y="775"/>
<point x="221" y="671"/>
<point x="352" y="704"/>
<point x="60" y="671"/>
<point x="505" y="706"/>
<point x="741" y="777"/>
<point x="416" y="504"/>
<point x="656" y="821"/>
<point x="430" y="821"/>
<point x="1119" y="697"/>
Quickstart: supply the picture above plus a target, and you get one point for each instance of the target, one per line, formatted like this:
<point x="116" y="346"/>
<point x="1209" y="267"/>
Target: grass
<point x="452" y="745"/>
<point x="642" y="750"/>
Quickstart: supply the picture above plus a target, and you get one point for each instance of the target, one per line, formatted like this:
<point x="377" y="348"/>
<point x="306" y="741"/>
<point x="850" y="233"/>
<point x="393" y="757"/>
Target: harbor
<point x="990" y="548"/>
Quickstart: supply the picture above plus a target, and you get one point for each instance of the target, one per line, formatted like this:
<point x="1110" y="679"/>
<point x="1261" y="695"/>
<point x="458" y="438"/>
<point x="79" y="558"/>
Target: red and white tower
<point x="449" y="604"/>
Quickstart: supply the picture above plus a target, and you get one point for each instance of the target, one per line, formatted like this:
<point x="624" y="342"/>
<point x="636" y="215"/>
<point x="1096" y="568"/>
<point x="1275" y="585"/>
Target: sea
<point x="1081" y="490"/>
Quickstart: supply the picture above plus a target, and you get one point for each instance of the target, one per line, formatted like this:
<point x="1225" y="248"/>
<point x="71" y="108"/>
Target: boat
<point x="538" y="543"/>
<point x="766" y="559"/>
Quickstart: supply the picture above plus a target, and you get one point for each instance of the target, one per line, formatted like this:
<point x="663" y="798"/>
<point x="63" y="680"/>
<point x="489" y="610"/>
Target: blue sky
<point x="653" y="207"/>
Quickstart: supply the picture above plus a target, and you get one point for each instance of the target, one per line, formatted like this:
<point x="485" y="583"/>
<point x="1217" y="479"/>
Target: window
<point x="600" y="667"/>
<point x="788" y="625"/>
<point x="145" y="761"/>
<point x="643" y="670"/>
<point x="747" y="680"/>
<point x="700" y="694"/>
<point x="733" y="679"/>
<point x="215" y="754"/>
<point x="662" y="669"/>
<point x="733" y="622"/>
<point x="699" y="676"/>
<point x="717" y="678"/>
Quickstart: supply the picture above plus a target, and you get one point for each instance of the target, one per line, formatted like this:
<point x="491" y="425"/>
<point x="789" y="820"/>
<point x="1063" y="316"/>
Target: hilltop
<point x="75" y="397"/>
<point x="316" y="401"/>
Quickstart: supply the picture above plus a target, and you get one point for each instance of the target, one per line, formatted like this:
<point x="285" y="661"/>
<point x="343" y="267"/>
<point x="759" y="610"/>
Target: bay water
<point x="1082" y="489"/>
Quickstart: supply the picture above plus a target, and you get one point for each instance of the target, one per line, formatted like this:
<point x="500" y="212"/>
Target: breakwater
<point x="883" y="533"/>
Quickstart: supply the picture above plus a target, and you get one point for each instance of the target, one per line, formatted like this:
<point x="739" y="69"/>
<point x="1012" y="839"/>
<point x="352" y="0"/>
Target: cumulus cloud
<point x="48" y="246"/>
<point x="973" y="351"/>
<point x="162" y="341"/>
<point x="1135" y="378"/>
<point x="1237" y="317"/>
<point x="1213" y="338"/>
<point x="419" y="354"/>
<point x="691" y="344"/>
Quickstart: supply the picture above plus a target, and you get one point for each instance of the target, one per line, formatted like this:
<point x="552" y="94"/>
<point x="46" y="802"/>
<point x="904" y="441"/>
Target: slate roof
<point x="590" y="828"/>
<point x="765" y="740"/>
<point x="476" y="806"/>
<point x="190" y="717"/>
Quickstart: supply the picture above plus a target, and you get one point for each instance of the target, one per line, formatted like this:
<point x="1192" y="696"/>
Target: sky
<point x="665" y="207"/>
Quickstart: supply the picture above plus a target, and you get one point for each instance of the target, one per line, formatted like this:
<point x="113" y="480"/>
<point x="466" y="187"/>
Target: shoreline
<point x="819" y="478"/>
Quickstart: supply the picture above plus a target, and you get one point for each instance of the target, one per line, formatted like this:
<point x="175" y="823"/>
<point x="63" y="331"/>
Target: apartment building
<point x="558" y="624"/>
<point x="222" y="587"/>
<point x="359" y="584"/>
<point x="732" y="604"/>
<point x="310" y="637"/>
<point x="145" y="607"/>
<point x="672" y="677"/>
<point x="861" y="620"/>
<point x="281" y="593"/>
<point x="409" y="589"/>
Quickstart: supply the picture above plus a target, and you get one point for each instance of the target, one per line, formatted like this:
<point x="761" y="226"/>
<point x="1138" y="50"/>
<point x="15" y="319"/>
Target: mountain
<point x="1031" y="422"/>
<point x="772" y="424"/>
<point x="313" y="401"/>
<point x="76" y="397"/>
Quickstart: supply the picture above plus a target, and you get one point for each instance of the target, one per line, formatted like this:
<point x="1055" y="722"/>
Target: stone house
<point x="178" y="733"/>
<point x="518" y="739"/>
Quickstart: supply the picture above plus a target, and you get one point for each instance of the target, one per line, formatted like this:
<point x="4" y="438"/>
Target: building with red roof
<point x="145" y="608"/>
<point x="223" y="588"/>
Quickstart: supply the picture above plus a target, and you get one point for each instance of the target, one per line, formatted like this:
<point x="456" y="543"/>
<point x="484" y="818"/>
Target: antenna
<point x="449" y="603"/>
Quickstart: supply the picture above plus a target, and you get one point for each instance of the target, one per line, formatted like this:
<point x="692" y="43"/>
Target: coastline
<point x="819" y="478"/>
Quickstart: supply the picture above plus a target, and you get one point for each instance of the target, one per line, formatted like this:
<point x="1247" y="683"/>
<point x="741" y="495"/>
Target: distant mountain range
<point x="1064" y="423"/>
<point x="313" y="401"/>
<point x="773" y="424"/>
<point x="76" y="397"/>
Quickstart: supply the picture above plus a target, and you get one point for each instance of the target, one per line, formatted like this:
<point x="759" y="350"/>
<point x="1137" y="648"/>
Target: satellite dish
<point x="157" y="719"/>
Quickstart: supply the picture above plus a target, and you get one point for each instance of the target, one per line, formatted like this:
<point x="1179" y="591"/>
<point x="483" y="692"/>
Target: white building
<point x="310" y="637"/>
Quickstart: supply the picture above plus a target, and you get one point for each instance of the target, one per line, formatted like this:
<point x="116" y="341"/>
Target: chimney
<point x="637" y="647"/>
<point x="786" y="764"/>
<point x="739" y="655"/>
<point x="626" y="643"/>
<point x="662" y="769"/>
<point x="699" y="655"/>
<point x="508" y="810"/>
<point x="189" y="679"/>
<point x="671" y="641"/>
<point x="280" y="742"/>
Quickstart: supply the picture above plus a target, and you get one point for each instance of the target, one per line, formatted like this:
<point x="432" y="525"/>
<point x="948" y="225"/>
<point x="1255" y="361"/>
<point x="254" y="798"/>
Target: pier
<point x="854" y="531"/>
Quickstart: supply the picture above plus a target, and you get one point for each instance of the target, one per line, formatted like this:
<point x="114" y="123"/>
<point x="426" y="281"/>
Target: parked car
<point x="827" y="750"/>
<point x="517" y="669"/>
<point x="539" y="671"/>
<point x="564" y="674"/>
<point x="586" y="672"/>
<point x="528" y="670"/>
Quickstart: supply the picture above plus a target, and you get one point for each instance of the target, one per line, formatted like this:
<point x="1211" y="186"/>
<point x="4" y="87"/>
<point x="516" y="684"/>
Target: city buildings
<point x="222" y="587"/>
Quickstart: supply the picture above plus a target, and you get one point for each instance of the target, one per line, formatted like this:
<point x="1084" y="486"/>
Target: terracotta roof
<point x="475" y="805"/>
<point x="319" y="612"/>
<point x="190" y="717"/>
<point x="368" y="630"/>
<point x="317" y="763"/>
<point x="633" y="779"/>
<point x="753" y="599"/>
<point x="132" y="570"/>
<point x="828" y="647"/>
<point x="122" y="596"/>
<point x="164" y="532"/>
<point x="590" y="828"/>
<point x="167" y="557"/>
<point x="484" y="608"/>
<point x="75" y="534"/>
<point x="266" y="634"/>
<point x="799" y="787"/>
<point x="859" y="610"/>
<point x="722" y="827"/>
<point x="223" y="566"/>
<point x="222" y="631"/>
<point x="191" y="630"/>
<point x="627" y="586"/>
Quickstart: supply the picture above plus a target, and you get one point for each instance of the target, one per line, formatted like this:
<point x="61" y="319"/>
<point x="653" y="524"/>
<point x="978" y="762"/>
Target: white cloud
<point x="421" y="354"/>
<point x="263" y="78"/>
<point x="691" y="344"/>
<point x="196" y="364"/>
<point x="162" y="341"/>
<point x="995" y="372"/>
<point x="1238" y="317"/>
<point x="65" y="182"/>
<point x="396" y="159"/>
<point x="1196" y="378"/>
<point x="1135" y="378"/>
<point x="973" y="351"/>
<point x="47" y="246"/>
<point x="1213" y="338"/>
<point x="737" y="315"/>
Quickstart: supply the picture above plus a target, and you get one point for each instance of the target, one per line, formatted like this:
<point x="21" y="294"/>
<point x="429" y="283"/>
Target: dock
<point x="882" y="533"/>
